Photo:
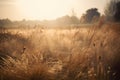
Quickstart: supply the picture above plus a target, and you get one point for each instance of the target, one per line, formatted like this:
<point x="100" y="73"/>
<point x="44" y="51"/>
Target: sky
<point x="47" y="9"/>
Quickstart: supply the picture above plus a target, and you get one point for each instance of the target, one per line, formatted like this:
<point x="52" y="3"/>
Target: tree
<point x="82" y="19"/>
<point x="67" y="20"/>
<point x="92" y="15"/>
<point x="112" y="11"/>
<point x="4" y="22"/>
<point x="117" y="14"/>
<point x="74" y="20"/>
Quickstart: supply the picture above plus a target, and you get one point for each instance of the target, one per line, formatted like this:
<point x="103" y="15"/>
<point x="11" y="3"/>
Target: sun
<point x="43" y="9"/>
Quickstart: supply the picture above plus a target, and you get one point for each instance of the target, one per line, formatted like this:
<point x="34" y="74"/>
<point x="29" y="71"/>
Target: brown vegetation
<point x="87" y="53"/>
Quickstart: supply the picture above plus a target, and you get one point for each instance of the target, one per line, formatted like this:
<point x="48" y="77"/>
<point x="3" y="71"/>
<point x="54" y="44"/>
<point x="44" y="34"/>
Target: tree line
<point x="92" y="15"/>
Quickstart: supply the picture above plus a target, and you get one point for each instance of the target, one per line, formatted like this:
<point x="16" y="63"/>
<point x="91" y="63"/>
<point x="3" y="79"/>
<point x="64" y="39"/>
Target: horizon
<point x="17" y="10"/>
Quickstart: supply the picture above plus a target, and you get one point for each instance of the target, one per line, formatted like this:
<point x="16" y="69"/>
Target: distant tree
<point x="112" y="10"/>
<point x="64" y="20"/>
<point x="91" y="15"/>
<point x="82" y="19"/>
<point x="4" y="22"/>
<point x="74" y="20"/>
<point x="67" y="20"/>
<point x="73" y="13"/>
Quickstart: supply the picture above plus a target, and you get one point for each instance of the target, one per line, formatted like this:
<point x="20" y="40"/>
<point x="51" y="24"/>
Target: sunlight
<point x="44" y="9"/>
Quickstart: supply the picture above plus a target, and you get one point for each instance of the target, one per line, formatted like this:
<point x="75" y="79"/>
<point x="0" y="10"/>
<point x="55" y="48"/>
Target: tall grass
<point x="27" y="67"/>
<point x="64" y="54"/>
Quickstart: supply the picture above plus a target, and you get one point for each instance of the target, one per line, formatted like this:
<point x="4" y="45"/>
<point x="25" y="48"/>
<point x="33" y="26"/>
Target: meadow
<point x="90" y="52"/>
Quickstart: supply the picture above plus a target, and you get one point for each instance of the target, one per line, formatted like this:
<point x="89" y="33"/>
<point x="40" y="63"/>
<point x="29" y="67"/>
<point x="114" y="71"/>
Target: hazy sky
<point x="46" y="9"/>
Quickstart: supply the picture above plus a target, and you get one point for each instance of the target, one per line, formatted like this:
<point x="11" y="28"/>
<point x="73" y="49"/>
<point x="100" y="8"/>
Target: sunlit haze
<point x="46" y="9"/>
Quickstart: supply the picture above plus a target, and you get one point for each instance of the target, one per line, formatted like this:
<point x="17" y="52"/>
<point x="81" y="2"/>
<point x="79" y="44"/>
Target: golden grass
<point x="83" y="53"/>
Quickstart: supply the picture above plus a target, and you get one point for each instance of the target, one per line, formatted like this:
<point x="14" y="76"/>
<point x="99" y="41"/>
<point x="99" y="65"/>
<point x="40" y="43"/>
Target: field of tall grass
<point x="82" y="53"/>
